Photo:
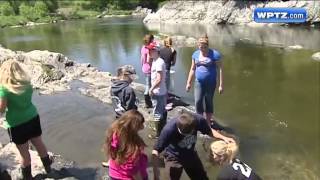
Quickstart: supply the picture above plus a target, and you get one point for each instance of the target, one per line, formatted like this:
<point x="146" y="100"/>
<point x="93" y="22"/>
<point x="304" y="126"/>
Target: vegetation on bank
<point x="20" y="12"/>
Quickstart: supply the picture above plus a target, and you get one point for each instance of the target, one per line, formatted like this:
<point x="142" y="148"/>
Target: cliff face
<point x="225" y="11"/>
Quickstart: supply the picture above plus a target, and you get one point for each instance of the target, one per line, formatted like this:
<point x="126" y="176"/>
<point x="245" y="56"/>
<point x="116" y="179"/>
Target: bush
<point x="28" y="12"/>
<point x="40" y="9"/>
<point x="12" y="20"/>
<point x="6" y="9"/>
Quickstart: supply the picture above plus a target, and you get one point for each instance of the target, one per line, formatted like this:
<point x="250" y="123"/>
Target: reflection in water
<point x="271" y="96"/>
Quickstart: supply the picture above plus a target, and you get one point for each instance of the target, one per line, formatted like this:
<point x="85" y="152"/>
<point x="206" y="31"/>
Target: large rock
<point x="227" y="11"/>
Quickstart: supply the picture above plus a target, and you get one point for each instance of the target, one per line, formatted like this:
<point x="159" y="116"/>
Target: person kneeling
<point x="224" y="154"/>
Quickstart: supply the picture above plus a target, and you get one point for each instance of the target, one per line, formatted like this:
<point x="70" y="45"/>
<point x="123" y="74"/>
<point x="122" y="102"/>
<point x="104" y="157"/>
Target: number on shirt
<point x="245" y="169"/>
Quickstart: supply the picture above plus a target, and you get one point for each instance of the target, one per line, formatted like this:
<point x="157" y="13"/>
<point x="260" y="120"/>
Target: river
<point x="271" y="97"/>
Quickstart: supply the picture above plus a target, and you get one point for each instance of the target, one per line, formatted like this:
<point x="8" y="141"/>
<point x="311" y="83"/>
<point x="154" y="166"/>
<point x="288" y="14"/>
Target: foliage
<point x="33" y="13"/>
<point x="6" y="9"/>
<point x="12" y="20"/>
<point x="40" y="9"/>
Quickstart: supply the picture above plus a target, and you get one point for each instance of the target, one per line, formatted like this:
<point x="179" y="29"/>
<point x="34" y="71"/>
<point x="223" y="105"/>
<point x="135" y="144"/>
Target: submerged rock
<point x="316" y="56"/>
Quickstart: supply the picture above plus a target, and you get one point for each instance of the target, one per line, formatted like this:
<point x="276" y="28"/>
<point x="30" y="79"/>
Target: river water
<point x="271" y="97"/>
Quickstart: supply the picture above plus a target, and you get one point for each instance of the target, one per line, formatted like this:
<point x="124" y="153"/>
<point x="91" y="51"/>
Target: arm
<point x="173" y="62"/>
<point x="130" y="100"/>
<point x="137" y="176"/>
<point x="206" y="129"/>
<point x="155" y="163"/>
<point x="220" y="70"/>
<point x="191" y="75"/>
<point x="3" y="105"/>
<point x="217" y="135"/>
<point x="157" y="82"/>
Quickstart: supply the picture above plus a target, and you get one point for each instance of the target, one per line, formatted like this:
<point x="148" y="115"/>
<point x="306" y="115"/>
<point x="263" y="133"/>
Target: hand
<point x="188" y="87"/>
<point x="228" y="140"/>
<point x="220" y="89"/>
<point x="151" y="92"/>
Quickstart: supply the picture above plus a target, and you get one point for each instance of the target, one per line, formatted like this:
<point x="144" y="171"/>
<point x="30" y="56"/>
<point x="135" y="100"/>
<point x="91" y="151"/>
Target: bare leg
<point x="40" y="147"/>
<point x="25" y="155"/>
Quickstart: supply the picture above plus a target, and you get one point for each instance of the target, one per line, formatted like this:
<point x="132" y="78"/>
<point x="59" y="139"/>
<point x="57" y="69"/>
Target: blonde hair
<point x="168" y="42"/>
<point x="227" y="150"/>
<point x="13" y="77"/>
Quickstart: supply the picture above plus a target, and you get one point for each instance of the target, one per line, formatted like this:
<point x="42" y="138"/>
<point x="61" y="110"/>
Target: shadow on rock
<point x="70" y="173"/>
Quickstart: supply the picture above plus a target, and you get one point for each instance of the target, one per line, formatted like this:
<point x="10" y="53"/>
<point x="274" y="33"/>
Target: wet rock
<point x="294" y="47"/>
<point x="316" y="56"/>
<point x="140" y="11"/>
<point x="224" y="12"/>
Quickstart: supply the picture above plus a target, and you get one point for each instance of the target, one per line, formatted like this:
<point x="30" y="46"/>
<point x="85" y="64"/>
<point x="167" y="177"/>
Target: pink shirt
<point x="132" y="166"/>
<point x="146" y="67"/>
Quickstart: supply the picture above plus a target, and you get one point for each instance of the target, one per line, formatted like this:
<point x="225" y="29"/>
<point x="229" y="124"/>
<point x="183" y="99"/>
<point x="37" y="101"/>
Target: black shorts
<point x="24" y="132"/>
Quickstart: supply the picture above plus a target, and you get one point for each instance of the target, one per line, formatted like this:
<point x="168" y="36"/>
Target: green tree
<point x="40" y="9"/>
<point x="6" y="9"/>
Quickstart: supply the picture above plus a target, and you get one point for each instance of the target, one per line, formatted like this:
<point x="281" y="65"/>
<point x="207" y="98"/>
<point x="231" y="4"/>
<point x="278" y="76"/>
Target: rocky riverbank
<point x="52" y="73"/>
<point x="225" y="12"/>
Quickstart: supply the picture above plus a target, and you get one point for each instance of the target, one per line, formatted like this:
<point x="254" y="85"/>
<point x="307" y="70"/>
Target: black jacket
<point x="123" y="97"/>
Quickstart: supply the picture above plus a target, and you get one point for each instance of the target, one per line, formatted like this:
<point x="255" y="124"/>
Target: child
<point x="223" y="154"/>
<point x="125" y="148"/>
<point x="123" y="96"/>
<point x="158" y="89"/>
<point x="22" y="118"/>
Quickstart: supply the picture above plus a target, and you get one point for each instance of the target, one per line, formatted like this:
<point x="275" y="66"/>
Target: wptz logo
<point x="280" y="15"/>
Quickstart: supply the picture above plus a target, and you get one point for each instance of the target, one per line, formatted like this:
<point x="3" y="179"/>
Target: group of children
<point x="177" y="138"/>
<point x="123" y="145"/>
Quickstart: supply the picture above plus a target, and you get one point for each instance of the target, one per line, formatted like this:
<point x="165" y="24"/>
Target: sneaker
<point x="169" y="106"/>
<point x="105" y="164"/>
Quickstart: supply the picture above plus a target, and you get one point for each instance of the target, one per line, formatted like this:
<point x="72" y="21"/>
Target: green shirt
<point x="19" y="107"/>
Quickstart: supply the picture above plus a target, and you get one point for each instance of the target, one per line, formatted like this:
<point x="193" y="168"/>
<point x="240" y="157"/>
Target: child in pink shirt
<point x="125" y="148"/>
<point x="146" y="68"/>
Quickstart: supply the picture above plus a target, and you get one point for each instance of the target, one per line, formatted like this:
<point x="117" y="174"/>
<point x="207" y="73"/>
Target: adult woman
<point x="146" y="68"/>
<point x="124" y="147"/>
<point x="224" y="154"/>
<point x="205" y="63"/>
<point x="22" y="119"/>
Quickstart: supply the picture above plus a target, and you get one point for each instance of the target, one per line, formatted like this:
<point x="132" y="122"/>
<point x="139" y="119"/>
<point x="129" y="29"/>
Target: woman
<point x="22" y="119"/>
<point x="224" y="154"/>
<point x="205" y="64"/>
<point x="125" y="148"/>
<point x="146" y="68"/>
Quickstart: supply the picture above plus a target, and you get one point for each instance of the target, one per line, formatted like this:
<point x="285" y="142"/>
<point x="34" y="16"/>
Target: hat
<point x="127" y="70"/>
<point x="153" y="46"/>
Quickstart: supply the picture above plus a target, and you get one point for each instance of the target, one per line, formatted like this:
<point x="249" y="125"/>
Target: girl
<point x="224" y="154"/>
<point x="125" y="148"/>
<point x="146" y="68"/>
<point x="22" y="119"/>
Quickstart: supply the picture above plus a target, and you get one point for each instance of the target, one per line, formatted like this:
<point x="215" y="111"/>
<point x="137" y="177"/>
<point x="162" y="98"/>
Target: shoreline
<point x="53" y="74"/>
